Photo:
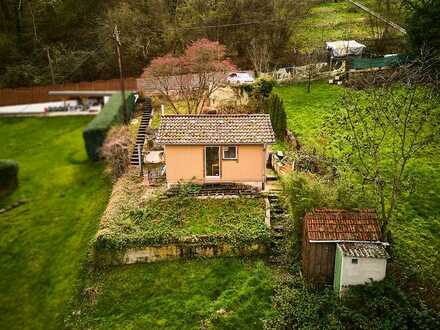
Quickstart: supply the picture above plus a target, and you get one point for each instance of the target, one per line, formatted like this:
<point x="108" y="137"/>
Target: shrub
<point x="8" y="176"/>
<point x="378" y="305"/>
<point x="277" y="114"/>
<point x="96" y="131"/>
<point x="116" y="150"/>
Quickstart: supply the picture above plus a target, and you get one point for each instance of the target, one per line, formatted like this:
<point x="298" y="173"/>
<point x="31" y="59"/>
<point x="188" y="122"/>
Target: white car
<point x="240" y="77"/>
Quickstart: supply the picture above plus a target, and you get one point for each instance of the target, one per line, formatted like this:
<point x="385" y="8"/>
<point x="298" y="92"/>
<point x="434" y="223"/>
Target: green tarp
<point x="369" y="63"/>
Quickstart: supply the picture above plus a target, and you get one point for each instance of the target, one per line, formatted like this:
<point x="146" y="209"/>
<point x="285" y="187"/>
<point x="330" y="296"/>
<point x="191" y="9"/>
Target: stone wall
<point x="163" y="252"/>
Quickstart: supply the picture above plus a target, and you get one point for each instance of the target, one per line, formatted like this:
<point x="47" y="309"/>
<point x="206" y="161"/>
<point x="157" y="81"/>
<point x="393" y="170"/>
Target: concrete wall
<point x="363" y="271"/>
<point x="154" y="253"/>
<point x="186" y="163"/>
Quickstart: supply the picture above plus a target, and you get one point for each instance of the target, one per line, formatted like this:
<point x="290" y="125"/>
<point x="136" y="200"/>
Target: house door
<point x="212" y="162"/>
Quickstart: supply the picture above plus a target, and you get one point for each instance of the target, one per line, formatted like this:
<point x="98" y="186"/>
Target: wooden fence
<point x="36" y="94"/>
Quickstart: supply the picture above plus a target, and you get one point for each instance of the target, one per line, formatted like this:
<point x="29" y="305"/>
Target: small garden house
<point x="359" y="263"/>
<point x="216" y="148"/>
<point x="342" y="247"/>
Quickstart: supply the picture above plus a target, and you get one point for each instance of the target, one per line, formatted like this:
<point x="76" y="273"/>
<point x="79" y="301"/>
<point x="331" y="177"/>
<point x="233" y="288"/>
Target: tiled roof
<point x="215" y="129"/>
<point x="342" y="225"/>
<point x="364" y="250"/>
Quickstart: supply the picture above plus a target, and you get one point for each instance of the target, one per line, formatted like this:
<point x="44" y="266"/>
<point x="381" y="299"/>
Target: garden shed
<point x="325" y="228"/>
<point x="359" y="263"/>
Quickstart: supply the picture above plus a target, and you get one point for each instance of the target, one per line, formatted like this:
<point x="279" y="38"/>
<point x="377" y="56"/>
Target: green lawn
<point x="43" y="243"/>
<point x="416" y="229"/>
<point x="330" y="21"/>
<point x="228" y="293"/>
<point x="306" y="111"/>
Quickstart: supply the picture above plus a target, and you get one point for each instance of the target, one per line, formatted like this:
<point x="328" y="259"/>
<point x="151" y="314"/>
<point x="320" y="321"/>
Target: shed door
<point x="212" y="162"/>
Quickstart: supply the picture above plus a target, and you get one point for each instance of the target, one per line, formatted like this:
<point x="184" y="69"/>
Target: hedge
<point x="96" y="131"/>
<point x="8" y="176"/>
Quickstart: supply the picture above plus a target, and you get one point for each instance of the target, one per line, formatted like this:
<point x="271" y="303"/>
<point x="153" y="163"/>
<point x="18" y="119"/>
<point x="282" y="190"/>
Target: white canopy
<point x="343" y="48"/>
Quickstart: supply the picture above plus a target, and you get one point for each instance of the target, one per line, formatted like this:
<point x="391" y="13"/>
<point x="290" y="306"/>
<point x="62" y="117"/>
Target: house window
<point x="230" y="152"/>
<point x="354" y="261"/>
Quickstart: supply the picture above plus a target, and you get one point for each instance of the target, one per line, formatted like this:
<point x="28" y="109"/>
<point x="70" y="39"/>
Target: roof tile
<point x="342" y="225"/>
<point x="215" y="129"/>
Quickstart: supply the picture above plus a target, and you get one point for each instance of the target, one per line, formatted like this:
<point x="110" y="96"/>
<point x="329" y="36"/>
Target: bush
<point x="277" y="114"/>
<point x="378" y="305"/>
<point x="96" y="131"/>
<point x="8" y="176"/>
<point x="116" y="150"/>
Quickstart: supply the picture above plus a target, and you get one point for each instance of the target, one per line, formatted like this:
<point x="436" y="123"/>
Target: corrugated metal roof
<point x="342" y="225"/>
<point x="215" y="129"/>
<point x="364" y="250"/>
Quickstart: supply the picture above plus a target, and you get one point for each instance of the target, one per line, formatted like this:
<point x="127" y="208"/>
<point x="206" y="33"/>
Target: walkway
<point x="142" y="132"/>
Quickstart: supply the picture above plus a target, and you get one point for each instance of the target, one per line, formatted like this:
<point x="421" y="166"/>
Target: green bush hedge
<point x="95" y="132"/>
<point x="278" y="117"/>
<point x="8" y="176"/>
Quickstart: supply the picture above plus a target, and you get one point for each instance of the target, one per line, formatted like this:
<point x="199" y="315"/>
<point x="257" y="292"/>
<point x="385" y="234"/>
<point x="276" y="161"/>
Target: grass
<point x="159" y="221"/>
<point x="43" y="243"/>
<point x="416" y="228"/>
<point x="228" y="293"/>
<point x="330" y="21"/>
<point x="306" y="112"/>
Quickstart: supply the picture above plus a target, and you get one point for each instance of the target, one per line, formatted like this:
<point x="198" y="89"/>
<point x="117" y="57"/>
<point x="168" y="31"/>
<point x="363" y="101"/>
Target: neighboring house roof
<point x="215" y="129"/>
<point x="363" y="250"/>
<point x="342" y="225"/>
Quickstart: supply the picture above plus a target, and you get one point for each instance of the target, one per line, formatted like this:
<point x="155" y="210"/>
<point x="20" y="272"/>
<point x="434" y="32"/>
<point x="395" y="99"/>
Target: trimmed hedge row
<point x="96" y="131"/>
<point x="8" y="176"/>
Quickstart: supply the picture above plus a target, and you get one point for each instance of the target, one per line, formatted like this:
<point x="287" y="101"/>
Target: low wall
<point x="153" y="253"/>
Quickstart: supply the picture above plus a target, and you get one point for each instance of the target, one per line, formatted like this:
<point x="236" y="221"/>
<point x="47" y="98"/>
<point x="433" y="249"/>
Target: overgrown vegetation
<point x="379" y="305"/>
<point x="44" y="242"/>
<point x="159" y="221"/>
<point x="230" y="293"/>
<point x="415" y="225"/>
<point x="115" y="150"/>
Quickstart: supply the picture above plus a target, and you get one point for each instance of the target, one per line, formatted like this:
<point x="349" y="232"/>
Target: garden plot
<point x="142" y="225"/>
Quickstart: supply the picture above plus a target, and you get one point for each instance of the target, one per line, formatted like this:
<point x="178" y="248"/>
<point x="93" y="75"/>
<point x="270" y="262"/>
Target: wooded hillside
<point x="77" y="35"/>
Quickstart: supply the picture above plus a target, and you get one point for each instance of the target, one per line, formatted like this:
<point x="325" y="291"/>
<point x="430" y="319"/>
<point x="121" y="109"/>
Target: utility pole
<point x="121" y="75"/>
<point x="49" y="59"/>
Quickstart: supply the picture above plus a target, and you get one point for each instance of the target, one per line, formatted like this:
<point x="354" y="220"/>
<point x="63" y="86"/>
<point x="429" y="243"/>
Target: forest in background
<point x="76" y="36"/>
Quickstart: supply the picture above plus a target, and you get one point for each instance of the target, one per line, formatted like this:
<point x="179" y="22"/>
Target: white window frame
<point x="227" y="158"/>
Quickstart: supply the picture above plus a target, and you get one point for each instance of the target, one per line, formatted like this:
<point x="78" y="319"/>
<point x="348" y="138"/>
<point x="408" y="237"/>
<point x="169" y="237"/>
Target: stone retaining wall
<point x="154" y="253"/>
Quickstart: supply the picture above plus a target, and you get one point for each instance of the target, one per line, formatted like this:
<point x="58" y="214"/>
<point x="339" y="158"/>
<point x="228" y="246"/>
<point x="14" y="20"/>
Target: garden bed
<point x="142" y="225"/>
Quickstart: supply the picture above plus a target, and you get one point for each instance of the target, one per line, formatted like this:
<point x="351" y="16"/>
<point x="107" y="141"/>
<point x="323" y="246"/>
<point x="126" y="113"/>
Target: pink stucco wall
<point x="186" y="163"/>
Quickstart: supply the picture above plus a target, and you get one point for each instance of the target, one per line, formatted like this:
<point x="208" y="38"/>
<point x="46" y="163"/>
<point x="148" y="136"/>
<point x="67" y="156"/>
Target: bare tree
<point x="386" y="128"/>
<point x="258" y="53"/>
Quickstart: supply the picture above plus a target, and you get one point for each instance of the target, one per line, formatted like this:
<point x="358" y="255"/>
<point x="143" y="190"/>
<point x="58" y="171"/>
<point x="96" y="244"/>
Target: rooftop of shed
<point x="363" y="250"/>
<point x="342" y="225"/>
<point x="215" y="129"/>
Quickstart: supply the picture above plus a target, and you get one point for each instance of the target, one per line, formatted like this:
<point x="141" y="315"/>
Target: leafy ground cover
<point x="44" y="241"/>
<point x="228" y="293"/>
<point x="165" y="220"/>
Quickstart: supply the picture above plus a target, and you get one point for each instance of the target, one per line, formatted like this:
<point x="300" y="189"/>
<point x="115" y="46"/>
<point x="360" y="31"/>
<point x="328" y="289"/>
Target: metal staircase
<point x="142" y="132"/>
